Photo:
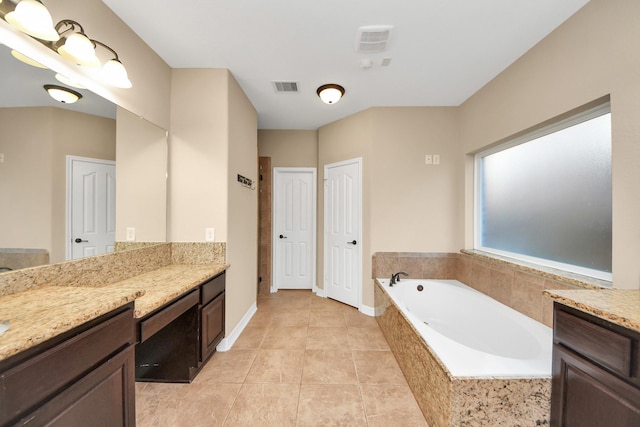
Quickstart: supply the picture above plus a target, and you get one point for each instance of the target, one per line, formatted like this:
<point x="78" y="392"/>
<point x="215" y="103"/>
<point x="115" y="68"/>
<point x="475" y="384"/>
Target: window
<point x="546" y="197"/>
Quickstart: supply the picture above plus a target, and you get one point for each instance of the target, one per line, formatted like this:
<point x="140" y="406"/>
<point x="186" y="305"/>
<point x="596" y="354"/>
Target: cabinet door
<point x="586" y="395"/>
<point x="104" y="397"/>
<point x="212" y="326"/>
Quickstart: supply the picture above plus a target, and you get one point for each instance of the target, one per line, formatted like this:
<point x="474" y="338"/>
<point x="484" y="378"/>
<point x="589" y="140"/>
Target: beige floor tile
<point x="327" y="304"/>
<point x="277" y="366"/>
<point x="151" y="402"/>
<point x="262" y="318"/>
<point x="265" y="405"/>
<point x="200" y="405"/>
<point x="356" y="319"/>
<point x="329" y="367"/>
<point x="290" y="318"/>
<point x="251" y="338"/>
<point x="330" y="405"/>
<point x="227" y="367"/>
<point x="366" y="338"/>
<point x="389" y="405"/>
<point x="378" y="367"/>
<point x="327" y="319"/>
<point x="327" y="338"/>
<point x="285" y="338"/>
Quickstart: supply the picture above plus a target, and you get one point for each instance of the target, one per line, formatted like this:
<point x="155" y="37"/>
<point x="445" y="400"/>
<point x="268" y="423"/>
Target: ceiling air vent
<point x="286" y="87"/>
<point x="373" y="38"/>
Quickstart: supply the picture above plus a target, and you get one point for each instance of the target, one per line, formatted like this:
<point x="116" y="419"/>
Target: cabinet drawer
<point x="606" y="347"/>
<point x="162" y="318"/>
<point x="44" y="375"/>
<point x="212" y="288"/>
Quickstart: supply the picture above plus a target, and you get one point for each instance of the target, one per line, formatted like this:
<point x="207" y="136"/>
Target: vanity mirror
<point x="37" y="134"/>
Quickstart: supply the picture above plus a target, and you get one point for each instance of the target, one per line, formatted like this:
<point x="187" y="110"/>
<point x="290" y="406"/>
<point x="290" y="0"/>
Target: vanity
<point x="72" y="353"/>
<point x="596" y="358"/>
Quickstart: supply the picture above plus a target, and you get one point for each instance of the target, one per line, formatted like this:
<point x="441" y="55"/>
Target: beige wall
<point x="242" y="244"/>
<point x="141" y="178"/>
<point x="198" y="154"/>
<point x="214" y="138"/>
<point x="33" y="175"/>
<point x="593" y="54"/>
<point x="289" y="148"/>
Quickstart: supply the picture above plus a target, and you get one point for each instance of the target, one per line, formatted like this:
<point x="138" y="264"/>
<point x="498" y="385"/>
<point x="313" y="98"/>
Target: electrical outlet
<point x="428" y="159"/>
<point x="131" y="234"/>
<point x="436" y="159"/>
<point x="210" y="234"/>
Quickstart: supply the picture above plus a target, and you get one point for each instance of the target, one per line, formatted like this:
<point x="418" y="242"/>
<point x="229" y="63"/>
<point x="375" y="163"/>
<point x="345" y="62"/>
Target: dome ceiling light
<point x="62" y="94"/>
<point x="330" y="93"/>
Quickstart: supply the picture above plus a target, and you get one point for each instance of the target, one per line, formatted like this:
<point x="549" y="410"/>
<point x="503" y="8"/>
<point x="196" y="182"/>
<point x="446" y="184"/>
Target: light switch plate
<point x="131" y="234"/>
<point x="210" y="234"/>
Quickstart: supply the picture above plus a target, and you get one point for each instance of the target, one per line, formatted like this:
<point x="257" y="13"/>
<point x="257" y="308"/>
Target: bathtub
<point x="468" y="359"/>
<point x="473" y="334"/>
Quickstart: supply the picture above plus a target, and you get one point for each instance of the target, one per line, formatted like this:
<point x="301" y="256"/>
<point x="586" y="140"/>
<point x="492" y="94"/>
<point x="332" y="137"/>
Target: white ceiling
<point x="442" y="51"/>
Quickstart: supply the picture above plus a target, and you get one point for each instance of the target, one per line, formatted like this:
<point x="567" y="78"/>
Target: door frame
<point x="358" y="161"/>
<point x="314" y="203"/>
<point x="68" y="247"/>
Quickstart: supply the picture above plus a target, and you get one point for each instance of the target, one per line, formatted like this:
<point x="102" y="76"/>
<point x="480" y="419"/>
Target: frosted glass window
<point x="549" y="198"/>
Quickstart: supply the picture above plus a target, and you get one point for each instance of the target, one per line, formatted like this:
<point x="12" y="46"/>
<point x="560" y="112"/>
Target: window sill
<point x="548" y="272"/>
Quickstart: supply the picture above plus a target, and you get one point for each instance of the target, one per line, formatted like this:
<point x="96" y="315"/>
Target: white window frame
<point x="583" y="116"/>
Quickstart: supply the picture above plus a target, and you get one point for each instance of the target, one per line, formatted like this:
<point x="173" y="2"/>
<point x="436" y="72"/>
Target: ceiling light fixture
<point x="62" y="94"/>
<point x="32" y="18"/>
<point x="330" y="93"/>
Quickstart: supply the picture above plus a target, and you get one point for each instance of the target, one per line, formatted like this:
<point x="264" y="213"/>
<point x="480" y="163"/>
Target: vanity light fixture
<point x="75" y="45"/>
<point x="63" y="94"/>
<point x="24" y="58"/>
<point x="67" y="81"/>
<point x="32" y="18"/>
<point x="113" y="72"/>
<point x="330" y="93"/>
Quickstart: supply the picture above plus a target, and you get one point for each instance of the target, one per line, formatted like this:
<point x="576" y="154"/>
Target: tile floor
<point x="302" y="361"/>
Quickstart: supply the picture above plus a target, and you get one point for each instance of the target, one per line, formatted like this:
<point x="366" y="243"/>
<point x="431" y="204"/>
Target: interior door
<point x="342" y="231"/>
<point x="294" y="228"/>
<point x="91" y="201"/>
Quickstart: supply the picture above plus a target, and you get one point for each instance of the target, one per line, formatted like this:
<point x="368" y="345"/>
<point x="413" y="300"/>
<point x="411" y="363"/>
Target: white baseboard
<point x="227" y="342"/>
<point x="365" y="309"/>
<point x="318" y="291"/>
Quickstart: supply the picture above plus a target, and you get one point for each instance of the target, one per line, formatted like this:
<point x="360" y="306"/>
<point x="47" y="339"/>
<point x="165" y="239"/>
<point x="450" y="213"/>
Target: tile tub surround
<point x="517" y="286"/>
<point x="619" y="306"/>
<point x="446" y="400"/>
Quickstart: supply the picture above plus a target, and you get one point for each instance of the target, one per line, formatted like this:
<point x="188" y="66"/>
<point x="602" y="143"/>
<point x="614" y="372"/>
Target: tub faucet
<point x="395" y="277"/>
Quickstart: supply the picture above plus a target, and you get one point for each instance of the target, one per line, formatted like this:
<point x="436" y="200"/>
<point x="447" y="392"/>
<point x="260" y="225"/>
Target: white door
<point x="294" y="228"/>
<point x="91" y="201"/>
<point x="342" y="231"/>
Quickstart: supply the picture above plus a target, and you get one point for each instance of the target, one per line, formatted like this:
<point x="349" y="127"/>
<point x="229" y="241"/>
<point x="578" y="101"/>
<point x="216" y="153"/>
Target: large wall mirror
<point x="37" y="136"/>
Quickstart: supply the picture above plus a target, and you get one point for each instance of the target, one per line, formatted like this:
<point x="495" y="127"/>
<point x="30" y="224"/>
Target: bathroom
<point x="594" y="54"/>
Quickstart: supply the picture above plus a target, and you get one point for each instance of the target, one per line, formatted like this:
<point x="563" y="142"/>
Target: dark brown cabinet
<point x="596" y="378"/>
<point x="177" y="339"/>
<point x="83" y="377"/>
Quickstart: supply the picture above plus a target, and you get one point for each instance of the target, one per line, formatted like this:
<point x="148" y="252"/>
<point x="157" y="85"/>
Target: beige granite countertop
<point x="167" y="283"/>
<point x="39" y="314"/>
<point x="619" y="306"/>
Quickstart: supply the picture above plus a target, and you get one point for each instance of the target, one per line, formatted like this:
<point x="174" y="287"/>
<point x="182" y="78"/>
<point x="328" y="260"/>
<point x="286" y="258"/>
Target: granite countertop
<point x="619" y="306"/>
<point x="39" y="314"/>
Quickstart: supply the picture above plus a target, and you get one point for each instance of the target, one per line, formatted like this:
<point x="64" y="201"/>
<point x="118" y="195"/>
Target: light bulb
<point x="32" y="17"/>
<point x="79" y="49"/>
<point x="114" y="73"/>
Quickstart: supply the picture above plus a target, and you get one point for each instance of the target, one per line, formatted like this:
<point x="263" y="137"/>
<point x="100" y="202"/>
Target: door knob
<point x="283" y="237"/>
<point x="353" y="242"/>
<point x="79" y="240"/>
